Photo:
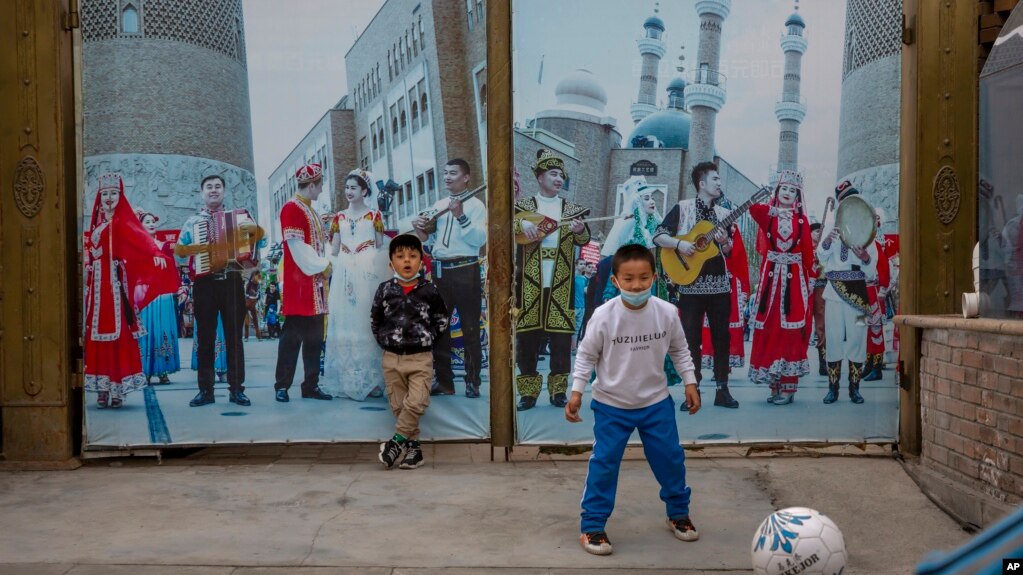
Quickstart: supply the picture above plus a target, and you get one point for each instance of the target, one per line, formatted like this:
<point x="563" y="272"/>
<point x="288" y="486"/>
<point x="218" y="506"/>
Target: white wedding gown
<point x="352" y="363"/>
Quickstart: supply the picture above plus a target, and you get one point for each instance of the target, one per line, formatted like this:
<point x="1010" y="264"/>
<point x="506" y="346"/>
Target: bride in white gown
<point x="352" y="364"/>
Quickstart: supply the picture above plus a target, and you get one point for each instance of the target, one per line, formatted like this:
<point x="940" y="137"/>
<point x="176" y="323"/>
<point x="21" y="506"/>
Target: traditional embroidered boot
<point x="529" y="389"/>
<point x="557" y="386"/>
<point x="822" y="365"/>
<point x="855" y="374"/>
<point x="876" y="363"/>
<point x="834" y="376"/>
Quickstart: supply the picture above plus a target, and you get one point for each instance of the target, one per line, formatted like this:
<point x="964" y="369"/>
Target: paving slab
<point x="520" y="517"/>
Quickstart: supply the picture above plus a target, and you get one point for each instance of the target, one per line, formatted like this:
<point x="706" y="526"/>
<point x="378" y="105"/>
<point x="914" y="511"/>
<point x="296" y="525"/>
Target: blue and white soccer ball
<point x="798" y="541"/>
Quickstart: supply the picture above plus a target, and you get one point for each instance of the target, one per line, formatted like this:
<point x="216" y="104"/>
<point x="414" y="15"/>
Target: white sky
<point x="600" y="35"/>
<point x="296" y="59"/>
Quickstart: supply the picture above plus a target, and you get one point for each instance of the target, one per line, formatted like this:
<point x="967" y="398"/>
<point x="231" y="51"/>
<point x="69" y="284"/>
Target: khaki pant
<point x="408" y="379"/>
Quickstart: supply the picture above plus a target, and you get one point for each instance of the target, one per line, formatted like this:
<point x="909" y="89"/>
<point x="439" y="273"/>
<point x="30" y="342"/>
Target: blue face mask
<point x="634" y="298"/>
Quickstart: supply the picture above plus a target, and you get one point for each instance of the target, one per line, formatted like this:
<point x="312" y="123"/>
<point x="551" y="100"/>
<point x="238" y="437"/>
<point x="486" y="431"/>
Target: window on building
<point x="408" y="194"/>
<point x="408" y="46"/>
<point x="373" y="130"/>
<point x="415" y="116"/>
<point x="468" y="12"/>
<point x="394" y="129"/>
<point x="431" y="186"/>
<point x="380" y="135"/>
<point x="377" y="84"/>
<point x="481" y="94"/>
<point x="404" y="125"/>
<point x="421" y="188"/>
<point x="422" y="33"/>
<point x="415" y="41"/>
<point x="424" y="114"/>
<point x="130" y="20"/>
<point x="479" y="11"/>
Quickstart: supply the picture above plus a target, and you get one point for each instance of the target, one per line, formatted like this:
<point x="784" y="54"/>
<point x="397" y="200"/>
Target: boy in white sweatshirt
<point x="626" y="341"/>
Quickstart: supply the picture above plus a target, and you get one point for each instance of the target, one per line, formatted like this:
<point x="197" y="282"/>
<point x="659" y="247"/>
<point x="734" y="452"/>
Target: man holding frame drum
<point x="848" y="254"/>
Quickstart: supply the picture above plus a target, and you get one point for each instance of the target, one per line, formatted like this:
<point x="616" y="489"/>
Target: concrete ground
<point x="332" y="509"/>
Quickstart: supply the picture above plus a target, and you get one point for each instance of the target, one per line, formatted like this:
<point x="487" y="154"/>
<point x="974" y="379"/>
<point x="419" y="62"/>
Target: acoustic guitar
<point x="683" y="270"/>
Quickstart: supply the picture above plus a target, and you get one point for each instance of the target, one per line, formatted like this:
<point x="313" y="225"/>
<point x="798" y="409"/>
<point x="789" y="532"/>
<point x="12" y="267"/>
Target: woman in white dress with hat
<point x="352" y="365"/>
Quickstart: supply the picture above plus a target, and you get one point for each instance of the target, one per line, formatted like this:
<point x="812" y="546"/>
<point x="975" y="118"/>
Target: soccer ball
<point x="796" y="541"/>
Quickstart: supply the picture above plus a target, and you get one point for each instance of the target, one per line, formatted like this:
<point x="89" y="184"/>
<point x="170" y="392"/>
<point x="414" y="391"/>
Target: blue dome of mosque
<point x="665" y="129"/>
<point x="795" y="20"/>
<point x="677" y="84"/>
<point x="654" y="22"/>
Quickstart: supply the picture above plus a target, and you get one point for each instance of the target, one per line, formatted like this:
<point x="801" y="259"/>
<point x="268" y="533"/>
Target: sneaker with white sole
<point x="413" y="456"/>
<point x="683" y="529"/>
<point x="596" y="543"/>
<point x="390" y="451"/>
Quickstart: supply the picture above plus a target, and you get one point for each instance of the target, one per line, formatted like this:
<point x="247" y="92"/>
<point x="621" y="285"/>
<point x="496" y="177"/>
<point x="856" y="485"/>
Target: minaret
<point x="790" y="108"/>
<point x="705" y="93"/>
<point x="651" y="48"/>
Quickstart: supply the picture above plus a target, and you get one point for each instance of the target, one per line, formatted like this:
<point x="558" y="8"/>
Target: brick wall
<point x="972" y="410"/>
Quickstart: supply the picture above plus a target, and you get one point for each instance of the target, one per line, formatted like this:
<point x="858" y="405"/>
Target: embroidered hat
<point x="546" y="160"/>
<point x="844" y="190"/>
<point x="309" y="173"/>
<point x="109" y="181"/>
<point x="790" y="178"/>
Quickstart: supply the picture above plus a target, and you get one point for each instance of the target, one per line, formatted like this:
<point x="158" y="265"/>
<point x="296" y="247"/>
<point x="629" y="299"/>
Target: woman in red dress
<point x="782" y="323"/>
<point x="123" y="268"/>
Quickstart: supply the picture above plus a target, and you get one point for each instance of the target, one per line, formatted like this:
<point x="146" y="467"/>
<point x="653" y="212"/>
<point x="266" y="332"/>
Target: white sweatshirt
<point x="627" y="348"/>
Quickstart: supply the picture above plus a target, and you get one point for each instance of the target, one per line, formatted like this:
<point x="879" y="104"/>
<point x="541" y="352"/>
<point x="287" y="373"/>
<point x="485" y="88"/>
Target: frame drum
<point x="854" y="218"/>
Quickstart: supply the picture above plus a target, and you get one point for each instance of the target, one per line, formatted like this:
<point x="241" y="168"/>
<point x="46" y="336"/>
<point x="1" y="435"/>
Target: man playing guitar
<point x="710" y="294"/>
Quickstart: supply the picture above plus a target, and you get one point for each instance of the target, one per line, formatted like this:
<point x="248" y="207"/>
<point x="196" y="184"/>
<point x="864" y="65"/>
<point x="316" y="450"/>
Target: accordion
<point x="219" y="242"/>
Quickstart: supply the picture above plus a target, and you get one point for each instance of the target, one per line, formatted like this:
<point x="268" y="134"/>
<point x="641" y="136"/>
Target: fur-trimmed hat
<point x="844" y="190"/>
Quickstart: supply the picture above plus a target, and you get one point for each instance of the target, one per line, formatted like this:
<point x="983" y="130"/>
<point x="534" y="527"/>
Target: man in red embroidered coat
<point x="305" y="273"/>
<point x="876" y="293"/>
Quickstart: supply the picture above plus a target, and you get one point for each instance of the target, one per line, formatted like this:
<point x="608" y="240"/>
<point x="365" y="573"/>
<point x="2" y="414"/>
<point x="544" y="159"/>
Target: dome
<point x="654" y="22"/>
<point x="581" y="88"/>
<point x="669" y="128"/>
<point x="677" y="84"/>
<point x="795" y="20"/>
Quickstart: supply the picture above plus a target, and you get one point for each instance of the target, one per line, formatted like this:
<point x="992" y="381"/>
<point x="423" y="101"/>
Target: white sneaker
<point x="596" y="543"/>
<point x="683" y="529"/>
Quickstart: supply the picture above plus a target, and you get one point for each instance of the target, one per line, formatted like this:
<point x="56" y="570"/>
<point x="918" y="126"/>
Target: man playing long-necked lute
<point x="545" y="268"/>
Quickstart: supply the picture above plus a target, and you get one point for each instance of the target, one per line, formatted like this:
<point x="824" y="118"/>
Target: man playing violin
<point x="544" y="290"/>
<point x="710" y="294"/>
<point x="455" y="243"/>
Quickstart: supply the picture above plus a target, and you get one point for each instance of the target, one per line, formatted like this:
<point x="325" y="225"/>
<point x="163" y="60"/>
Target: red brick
<point x="964" y="465"/>
<point x="969" y="412"/>
<point x="987" y="380"/>
<point x="970" y="430"/>
<point x="972" y="339"/>
<point x="936" y="453"/>
<point x="971" y="358"/>
<point x="987" y="362"/>
<point x="970" y="449"/>
<point x="1016" y="465"/>
<point x="1010" y="385"/>
<point x="937" y="335"/>
<point x="1015" y="426"/>
<point x="939" y="352"/>
<point x="957" y="339"/>
<point x="1007" y="366"/>
<point x="957" y="357"/>
<point x="955" y="408"/>
<point x="943" y="387"/>
<point x="955" y="390"/>
<point x="971" y="394"/>
<point x="991" y="344"/>
<point x="955" y="425"/>
<point x="986" y="417"/>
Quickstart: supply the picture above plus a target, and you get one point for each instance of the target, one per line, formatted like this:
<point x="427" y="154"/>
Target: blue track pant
<point x="612" y="427"/>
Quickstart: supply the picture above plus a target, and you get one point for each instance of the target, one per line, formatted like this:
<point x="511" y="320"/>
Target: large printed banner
<point x="242" y="191"/>
<point x="786" y="311"/>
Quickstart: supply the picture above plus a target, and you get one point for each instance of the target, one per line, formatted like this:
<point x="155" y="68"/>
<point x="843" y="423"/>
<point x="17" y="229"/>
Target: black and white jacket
<point x="406" y="324"/>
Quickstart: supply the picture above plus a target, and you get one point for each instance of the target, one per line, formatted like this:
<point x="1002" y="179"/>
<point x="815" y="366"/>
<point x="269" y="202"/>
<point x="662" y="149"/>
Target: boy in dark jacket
<point x="408" y="316"/>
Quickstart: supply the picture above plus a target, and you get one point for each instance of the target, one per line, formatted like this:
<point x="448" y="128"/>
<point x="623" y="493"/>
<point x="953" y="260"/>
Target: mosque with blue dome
<point x="661" y="146"/>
